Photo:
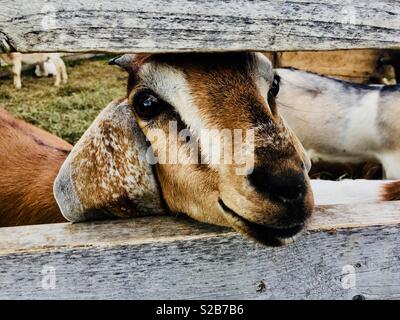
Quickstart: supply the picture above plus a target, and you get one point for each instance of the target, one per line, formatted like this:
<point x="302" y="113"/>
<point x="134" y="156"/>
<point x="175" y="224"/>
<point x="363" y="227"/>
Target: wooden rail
<point x="202" y="25"/>
<point x="347" y="251"/>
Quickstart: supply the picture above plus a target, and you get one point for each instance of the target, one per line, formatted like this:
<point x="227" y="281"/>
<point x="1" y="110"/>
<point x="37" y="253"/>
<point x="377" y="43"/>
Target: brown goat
<point x="259" y="187"/>
<point x="30" y="159"/>
<point x="108" y="172"/>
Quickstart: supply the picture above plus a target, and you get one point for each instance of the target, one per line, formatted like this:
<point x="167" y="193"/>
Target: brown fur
<point x="111" y="175"/>
<point x="29" y="162"/>
<point x="224" y="91"/>
<point x="198" y="92"/>
<point x="391" y="191"/>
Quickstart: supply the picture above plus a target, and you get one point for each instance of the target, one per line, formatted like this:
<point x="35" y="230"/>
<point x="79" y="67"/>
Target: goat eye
<point x="147" y="105"/>
<point x="274" y="89"/>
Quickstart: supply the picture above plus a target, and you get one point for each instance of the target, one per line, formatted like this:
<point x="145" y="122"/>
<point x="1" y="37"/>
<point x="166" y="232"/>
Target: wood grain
<point x="173" y="257"/>
<point x="148" y="230"/>
<point x="219" y="267"/>
<point x="201" y="25"/>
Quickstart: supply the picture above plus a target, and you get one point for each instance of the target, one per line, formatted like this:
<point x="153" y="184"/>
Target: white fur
<point x="361" y="128"/>
<point x="16" y="59"/>
<point x="341" y="122"/>
<point x="346" y="191"/>
<point x="391" y="162"/>
<point x="49" y="69"/>
<point x="164" y="80"/>
<point x="265" y="69"/>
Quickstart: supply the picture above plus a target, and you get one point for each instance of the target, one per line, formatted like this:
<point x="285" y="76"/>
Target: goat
<point x="30" y="159"/>
<point x="97" y="180"/>
<point x="270" y="200"/>
<point x="16" y="59"/>
<point x="110" y="171"/>
<point x="339" y="121"/>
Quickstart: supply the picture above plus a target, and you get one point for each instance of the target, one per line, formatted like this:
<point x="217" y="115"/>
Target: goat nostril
<point x="289" y="194"/>
<point x="284" y="189"/>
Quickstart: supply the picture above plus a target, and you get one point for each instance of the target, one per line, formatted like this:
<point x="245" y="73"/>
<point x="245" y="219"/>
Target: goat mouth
<point x="265" y="234"/>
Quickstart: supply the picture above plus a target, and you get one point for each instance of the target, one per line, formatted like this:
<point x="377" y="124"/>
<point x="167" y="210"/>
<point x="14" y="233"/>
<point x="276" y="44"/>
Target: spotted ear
<point x="106" y="173"/>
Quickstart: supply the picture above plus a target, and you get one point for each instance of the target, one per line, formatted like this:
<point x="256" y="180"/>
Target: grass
<point x="66" y="111"/>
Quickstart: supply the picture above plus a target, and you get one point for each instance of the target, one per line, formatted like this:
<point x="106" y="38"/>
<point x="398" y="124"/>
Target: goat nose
<point x="287" y="189"/>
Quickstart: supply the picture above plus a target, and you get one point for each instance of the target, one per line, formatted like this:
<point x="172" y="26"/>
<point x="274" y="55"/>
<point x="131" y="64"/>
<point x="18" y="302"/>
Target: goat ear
<point x="125" y="62"/>
<point x="265" y="67"/>
<point x="106" y="173"/>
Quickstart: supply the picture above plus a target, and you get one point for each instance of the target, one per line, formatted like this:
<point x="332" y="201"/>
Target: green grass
<point x="66" y="111"/>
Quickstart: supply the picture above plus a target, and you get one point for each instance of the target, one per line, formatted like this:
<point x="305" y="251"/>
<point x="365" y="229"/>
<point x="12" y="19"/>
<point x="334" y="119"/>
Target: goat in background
<point x="339" y="121"/>
<point x="16" y="59"/>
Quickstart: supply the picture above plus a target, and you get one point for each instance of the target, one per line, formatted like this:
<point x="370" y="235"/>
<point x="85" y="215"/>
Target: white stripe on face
<point x="264" y="76"/>
<point x="170" y="85"/>
<point x="263" y="88"/>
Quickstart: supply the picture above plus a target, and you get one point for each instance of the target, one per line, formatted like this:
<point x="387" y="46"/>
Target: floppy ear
<point x="106" y="173"/>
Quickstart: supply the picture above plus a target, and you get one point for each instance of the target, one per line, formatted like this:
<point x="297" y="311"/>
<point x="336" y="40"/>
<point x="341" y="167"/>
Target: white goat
<point x="46" y="69"/>
<point x="16" y="59"/>
<point x="339" y="121"/>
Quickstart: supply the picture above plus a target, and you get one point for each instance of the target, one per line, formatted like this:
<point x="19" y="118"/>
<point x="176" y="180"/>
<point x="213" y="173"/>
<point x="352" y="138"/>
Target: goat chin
<point x="354" y="191"/>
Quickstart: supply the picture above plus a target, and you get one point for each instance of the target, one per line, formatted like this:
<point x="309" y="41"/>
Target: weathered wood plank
<point x="223" y="267"/>
<point x="167" y="258"/>
<point x="201" y="25"/>
<point x="167" y="229"/>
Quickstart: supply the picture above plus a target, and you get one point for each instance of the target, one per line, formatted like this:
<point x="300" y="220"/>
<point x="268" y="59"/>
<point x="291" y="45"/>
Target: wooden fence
<point x="201" y="25"/>
<point x="347" y="252"/>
